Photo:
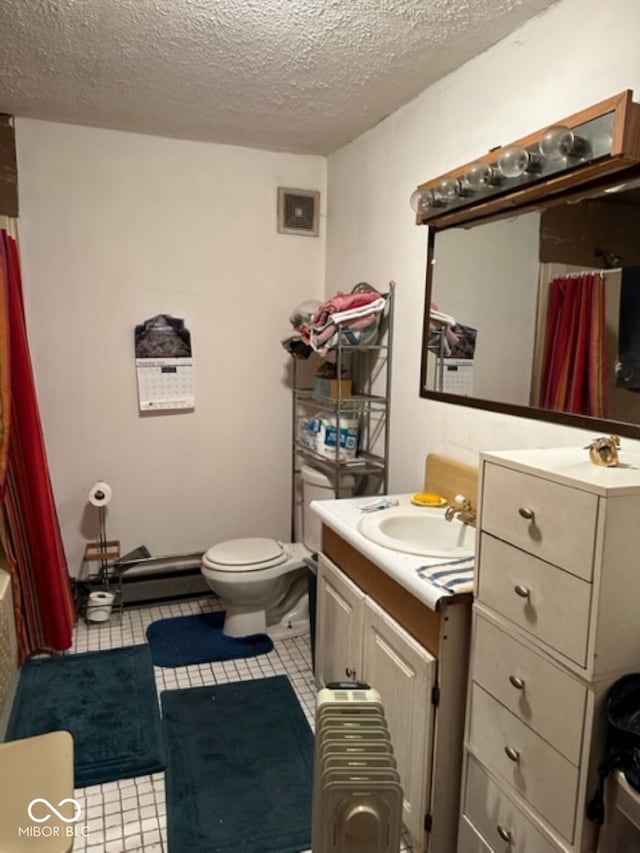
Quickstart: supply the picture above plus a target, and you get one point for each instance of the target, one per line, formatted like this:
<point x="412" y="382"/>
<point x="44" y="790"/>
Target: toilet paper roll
<point x="99" y="606"/>
<point x="100" y="494"/>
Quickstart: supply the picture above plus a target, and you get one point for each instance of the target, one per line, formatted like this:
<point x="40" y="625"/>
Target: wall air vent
<point x="298" y="211"/>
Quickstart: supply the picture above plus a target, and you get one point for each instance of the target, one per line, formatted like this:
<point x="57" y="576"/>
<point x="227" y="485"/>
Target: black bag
<point x="623" y="740"/>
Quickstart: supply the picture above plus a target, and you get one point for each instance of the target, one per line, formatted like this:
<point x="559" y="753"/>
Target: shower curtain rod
<point x="589" y="272"/>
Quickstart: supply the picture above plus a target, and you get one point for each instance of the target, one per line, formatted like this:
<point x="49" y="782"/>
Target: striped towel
<point x="452" y="575"/>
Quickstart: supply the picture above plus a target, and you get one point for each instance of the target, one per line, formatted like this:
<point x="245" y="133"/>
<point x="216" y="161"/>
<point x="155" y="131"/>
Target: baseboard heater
<point x="357" y="796"/>
<point x="146" y="579"/>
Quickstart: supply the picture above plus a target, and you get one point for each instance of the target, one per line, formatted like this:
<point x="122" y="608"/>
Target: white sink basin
<point x="419" y="530"/>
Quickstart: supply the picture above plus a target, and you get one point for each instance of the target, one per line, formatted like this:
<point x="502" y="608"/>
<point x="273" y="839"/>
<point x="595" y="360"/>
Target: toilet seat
<point x="242" y="556"/>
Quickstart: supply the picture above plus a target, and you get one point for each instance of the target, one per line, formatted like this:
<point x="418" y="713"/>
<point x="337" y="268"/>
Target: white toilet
<point x="263" y="583"/>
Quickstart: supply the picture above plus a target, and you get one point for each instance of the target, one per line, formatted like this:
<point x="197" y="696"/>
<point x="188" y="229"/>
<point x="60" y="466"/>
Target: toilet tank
<point x="316" y="486"/>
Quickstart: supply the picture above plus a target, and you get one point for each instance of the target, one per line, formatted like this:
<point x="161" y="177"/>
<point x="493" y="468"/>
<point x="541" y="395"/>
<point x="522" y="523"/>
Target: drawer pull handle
<point x="527" y="513"/>
<point x="504" y="833"/>
<point x="518" y="683"/>
<point x="512" y="754"/>
<point x="520" y="590"/>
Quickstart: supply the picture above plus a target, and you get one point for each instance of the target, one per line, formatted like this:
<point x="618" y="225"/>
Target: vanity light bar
<point x="584" y="146"/>
<point x="519" y="166"/>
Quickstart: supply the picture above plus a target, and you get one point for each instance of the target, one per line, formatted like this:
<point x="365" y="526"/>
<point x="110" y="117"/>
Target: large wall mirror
<point x="533" y="306"/>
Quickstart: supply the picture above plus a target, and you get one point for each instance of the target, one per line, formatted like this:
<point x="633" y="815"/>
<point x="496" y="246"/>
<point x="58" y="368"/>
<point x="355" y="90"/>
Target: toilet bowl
<point x="263" y="583"/>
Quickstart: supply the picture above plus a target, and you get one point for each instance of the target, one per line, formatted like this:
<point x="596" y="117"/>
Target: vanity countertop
<point x="343" y="515"/>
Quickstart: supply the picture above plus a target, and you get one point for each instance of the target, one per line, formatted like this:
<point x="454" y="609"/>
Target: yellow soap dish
<point x="427" y="499"/>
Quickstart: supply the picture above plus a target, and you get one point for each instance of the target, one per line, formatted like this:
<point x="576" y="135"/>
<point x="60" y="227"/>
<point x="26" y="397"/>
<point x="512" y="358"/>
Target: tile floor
<point x="130" y="815"/>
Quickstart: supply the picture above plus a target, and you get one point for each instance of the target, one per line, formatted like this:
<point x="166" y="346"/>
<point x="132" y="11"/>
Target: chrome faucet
<point x="461" y="508"/>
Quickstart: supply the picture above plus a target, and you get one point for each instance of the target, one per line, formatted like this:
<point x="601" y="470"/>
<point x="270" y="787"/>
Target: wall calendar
<point x="164" y="364"/>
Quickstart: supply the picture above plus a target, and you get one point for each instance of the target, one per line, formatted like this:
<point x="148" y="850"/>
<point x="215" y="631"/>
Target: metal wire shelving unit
<point x="369" y="368"/>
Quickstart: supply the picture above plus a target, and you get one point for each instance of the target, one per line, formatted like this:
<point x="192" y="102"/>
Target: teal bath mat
<point x="107" y="700"/>
<point x="239" y="768"/>
<point x="185" y="640"/>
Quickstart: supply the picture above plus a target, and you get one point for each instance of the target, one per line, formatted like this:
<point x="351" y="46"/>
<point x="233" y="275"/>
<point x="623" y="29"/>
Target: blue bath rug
<point x="107" y="700"/>
<point x="185" y="640"/>
<point x="239" y="768"/>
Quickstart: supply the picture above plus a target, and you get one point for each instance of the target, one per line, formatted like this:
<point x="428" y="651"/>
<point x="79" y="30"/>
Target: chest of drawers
<point x="555" y="622"/>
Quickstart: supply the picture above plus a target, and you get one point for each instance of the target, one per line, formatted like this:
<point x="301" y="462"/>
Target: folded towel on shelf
<point x="343" y="303"/>
<point x="452" y="575"/>
<point x="357" y="313"/>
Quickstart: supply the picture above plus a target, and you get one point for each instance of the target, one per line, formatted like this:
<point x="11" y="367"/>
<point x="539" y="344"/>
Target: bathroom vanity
<point x="555" y="623"/>
<point x="379" y="622"/>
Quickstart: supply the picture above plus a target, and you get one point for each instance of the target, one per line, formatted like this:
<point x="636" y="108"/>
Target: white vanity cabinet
<point x="370" y="629"/>
<point x="339" y="625"/>
<point x="554" y="624"/>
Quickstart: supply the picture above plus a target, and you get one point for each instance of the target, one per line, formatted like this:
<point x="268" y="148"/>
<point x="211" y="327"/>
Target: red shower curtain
<point x="573" y="373"/>
<point x="41" y="587"/>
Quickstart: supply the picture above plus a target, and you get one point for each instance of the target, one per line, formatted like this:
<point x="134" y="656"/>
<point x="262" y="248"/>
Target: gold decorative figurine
<point x="604" y="451"/>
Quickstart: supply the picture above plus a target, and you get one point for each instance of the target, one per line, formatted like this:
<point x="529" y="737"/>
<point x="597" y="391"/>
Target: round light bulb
<point x="415" y="199"/>
<point x="422" y="201"/>
<point x="449" y="189"/>
<point x="559" y="142"/>
<point x="514" y="161"/>
<point x="480" y="175"/>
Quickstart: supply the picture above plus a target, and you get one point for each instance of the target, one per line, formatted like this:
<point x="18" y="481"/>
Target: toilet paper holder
<point x="104" y="550"/>
<point x="104" y="554"/>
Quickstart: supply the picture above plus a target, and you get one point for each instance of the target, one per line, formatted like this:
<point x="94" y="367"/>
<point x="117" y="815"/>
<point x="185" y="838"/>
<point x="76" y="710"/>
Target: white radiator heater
<point x="357" y="796"/>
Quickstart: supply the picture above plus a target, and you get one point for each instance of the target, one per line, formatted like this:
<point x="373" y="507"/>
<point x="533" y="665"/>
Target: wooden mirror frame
<point x="581" y="181"/>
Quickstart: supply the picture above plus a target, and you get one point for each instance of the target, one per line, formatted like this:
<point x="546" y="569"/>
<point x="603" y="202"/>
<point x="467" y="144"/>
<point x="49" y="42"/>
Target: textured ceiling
<point x="288" y="75"/>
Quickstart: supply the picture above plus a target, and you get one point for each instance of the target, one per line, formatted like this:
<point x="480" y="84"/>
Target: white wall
<point x="466" y="264"/>
<point x="578" y="53"/>
<point x="117" y="227"/>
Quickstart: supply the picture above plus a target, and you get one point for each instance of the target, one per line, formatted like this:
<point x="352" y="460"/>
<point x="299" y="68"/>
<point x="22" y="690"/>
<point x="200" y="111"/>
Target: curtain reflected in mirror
<point x="591" y="352"/>
<point x="574" y="352"/>
<point x="541" y="310"/>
